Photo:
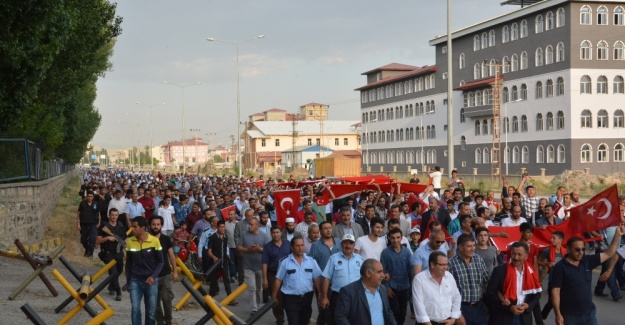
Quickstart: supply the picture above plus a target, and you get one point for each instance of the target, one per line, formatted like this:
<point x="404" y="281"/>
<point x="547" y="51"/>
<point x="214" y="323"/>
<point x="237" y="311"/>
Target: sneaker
<point x="617" y="298"/>
<point x="118" y="298"/>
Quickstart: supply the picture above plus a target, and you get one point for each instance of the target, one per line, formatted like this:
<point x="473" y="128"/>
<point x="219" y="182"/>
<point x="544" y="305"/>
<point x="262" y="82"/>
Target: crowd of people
<point x="368" y="258"/>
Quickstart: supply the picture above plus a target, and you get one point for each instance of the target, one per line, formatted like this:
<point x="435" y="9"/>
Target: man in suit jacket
<point x="346" y="224"/>
<point x="353" y="305"/>
<point x="435" y="213"/>
<point x="503" y="280"/>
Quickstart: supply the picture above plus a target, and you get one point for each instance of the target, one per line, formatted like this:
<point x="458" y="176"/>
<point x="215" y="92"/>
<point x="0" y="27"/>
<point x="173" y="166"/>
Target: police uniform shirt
<point x="297" y="279"/>
<point x="342" y="271"/>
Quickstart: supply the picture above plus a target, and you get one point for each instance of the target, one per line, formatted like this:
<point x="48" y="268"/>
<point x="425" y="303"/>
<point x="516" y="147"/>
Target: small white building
<point x="302" y="156"/>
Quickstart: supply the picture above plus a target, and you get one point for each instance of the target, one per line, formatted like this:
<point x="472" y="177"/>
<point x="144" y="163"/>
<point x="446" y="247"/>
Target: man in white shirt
<point x="436" y="179"/>
<point x="435" y="295"/>
<point x="371" y="246"/>
<point x="515" y="219"/>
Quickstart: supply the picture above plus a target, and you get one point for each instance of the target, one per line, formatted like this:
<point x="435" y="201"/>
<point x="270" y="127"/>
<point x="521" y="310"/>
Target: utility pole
<point x="294" y="135"/>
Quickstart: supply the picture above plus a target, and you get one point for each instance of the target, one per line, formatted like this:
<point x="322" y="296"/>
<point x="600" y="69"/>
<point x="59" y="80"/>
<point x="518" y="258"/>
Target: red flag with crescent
<point x="557" y="206"/>
<point x="286" y="203"/>
<point x="598" y="213"/>
<point x="225" y="212"/>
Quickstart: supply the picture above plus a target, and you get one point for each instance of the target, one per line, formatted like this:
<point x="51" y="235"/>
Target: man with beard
<point x="147" y="201"/>
<point x="108" y="248"/>
<point x="366" y="221"/>
<point x="165" y="293"/>
<point x="289" y="232"/>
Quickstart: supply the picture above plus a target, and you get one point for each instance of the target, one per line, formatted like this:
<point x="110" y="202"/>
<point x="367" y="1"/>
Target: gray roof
<point x="269" y="128"/>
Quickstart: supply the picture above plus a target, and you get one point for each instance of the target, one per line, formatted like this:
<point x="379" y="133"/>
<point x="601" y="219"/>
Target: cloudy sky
<point x="313" y="51"/>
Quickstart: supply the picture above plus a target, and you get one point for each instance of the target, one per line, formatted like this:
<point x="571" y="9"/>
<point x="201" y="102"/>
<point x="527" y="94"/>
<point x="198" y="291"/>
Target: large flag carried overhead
<point x="286" y="203"/>
<point x="598" y="213"/>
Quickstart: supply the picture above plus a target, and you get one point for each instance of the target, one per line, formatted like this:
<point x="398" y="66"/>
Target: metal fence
<point x="21" y="159"/>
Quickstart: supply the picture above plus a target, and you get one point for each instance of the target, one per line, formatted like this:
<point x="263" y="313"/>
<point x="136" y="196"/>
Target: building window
<point x="586" y="119"/>
<point x="618" y="50"/>
<point x="505" y="65"/>
<point x="444" y="49"/>
<point x="560" y="52"/>
<point x="484" y="127"/>
<point x="462" y="118"/>
<point x="515" y="63"/>
<point x="539" y="89"/>
<point x="540" y="155"/>
<point x="551" y="155"/>
<point x="523" y="123"/>
<point x="524" y="60"/>
<point x="549" y="21"/>
<point x="586" y="153"/>
<point x="309" y="141"/>
<point x="585" y="85"/>
<point x="318" y="142"/>
<point x="539" y="26"/>
<point x="560" y="18"/>
<point x="618" y="16"/>
<point x="477" y="128"/>
<point x="491" y="38"/>
<point x="585" y="17"/>
<point x="619" y="151"/>
<point x="602" y="85"/>
<point x="561" y="154"/>
<point x="505" y="34"/>
<point x="618" y="119"/>
<point x="525" y="155"/>
<point x="524" y="31"/>
<point x="602" y="16"/>
<point x="506" y="125"/>
<point x="549" y="88"/>
<point x="539" y="122"/>
<point x="515" y="124"/>
<point x="476" y="43"/>
<point x="263" y="143"/>
<point x="560" y="120"/>
<point x="602" y="50"/>
<point x="538" y="57"/>
<point x="461" y="61"/>
<point x="516" y="157"/>
<point x="515" y="94"/>
<point x="586" y="50"/>
<point x="602" y="153"/>
<point x="486" y="156"/>
<point x="491" y="67"/>
<point x="484" y="40"/>
<point x="618" y="85"/>
<point x="345" y="142"/>
<point x="549" y="121"/>
<point x="523" y="92"/>
<point x="463" y="143"/>
<point x="476" y="71"/>
<point x="484" y="70"/>
<point x="336" y="141"/>
<point x="560" y="86"/>
<point x="504" y="95"/>
<point x="433" y="132"/>
<point x="514" y="32"/>
<point x="549" y="54"/>
<point x="277" y="142"/>
<point x="602" y="119"/>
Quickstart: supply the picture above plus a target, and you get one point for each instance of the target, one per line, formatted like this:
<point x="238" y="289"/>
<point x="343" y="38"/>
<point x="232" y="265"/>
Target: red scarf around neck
<point x="552" y="253"/>
<point x="531" y="284"/>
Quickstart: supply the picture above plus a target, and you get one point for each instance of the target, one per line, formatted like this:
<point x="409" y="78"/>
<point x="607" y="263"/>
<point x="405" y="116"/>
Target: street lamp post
<point x="236" y="44"/>
<point x="367" y="140"/>
<point x="151" y="130"/>
<point x="182" y="87"/>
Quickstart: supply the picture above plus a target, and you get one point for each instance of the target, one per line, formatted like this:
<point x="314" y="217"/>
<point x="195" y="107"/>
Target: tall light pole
<point x="367" y="140"/>
<point x="236" y="44"/>
<point x="151" y="130"/>
<point x="182" y="87"/>
<point x="450" y="94"/>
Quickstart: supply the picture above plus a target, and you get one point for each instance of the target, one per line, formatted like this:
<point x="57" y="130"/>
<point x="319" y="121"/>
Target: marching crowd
<point x="368" y="258"/>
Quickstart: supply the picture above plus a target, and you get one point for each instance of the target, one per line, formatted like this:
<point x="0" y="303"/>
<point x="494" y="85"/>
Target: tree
<point x="218" y="159"/>
<point x="53" y="52"/>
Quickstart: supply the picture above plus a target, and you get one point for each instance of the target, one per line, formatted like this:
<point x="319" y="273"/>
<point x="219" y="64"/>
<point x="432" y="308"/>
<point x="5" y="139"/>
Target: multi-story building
<point x="194" y="151"/>
<point x="561" y="100"/>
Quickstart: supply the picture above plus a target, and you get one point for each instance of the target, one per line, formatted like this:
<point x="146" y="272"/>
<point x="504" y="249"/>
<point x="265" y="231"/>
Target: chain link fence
<point x="22" y="160"/>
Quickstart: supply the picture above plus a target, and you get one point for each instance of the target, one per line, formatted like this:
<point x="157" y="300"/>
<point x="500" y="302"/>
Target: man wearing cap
<point x="321" y="251"/>
<point x="342" y="269"/>
<point x="297" y="273"/>
<point x="289" y="232"/>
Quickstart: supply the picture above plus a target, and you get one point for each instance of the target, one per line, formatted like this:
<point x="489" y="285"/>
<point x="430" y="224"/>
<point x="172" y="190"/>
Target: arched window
<point x="560" y="120"/>
<point x="619" y="48"/>
<point x="560" y="52"/>
<point x="602" y="85"/>
<point x="602" y="50"/>
<point x="506" y="156"/>
<point x="476" y="42"/>
<point x="540" y="155"/>
<point x="461" y="61"/>
<point x="585" y="17"/>
<point x="549" y="54"/>
<point x="602" y="16"/>
<point x="479" y="100"/>
<point x="549" y="21"/>
<point x="491" y="38"/>
<point x="549" y="88"/>
<point x="585" y="85"/>
<point x="539" y="122"/>
<point x="504" y="95"/>
<point x="478" y="128"/>
<point x="462" y="118"/>
<point x="561" y="154"/>
<point x="523" y="92"/>
<point x="476" y="71"/>
<point x="514" y="32"/>
<point x="515" y="94"/>
<point x="433" y="132"/>
<point x="463" y="143"/>
<point x="515" y="63"/>
<point x="524" y="31"/>
<point x="539" y="89"/>
<point x="539" y="57"/>
<point x="524" y="60"/>
<point x="549" y="121"/>
<point x="506" y="125"/>
<point x="602" y="119"/>
<point x="484" y="127"/>
<point x="505" y="34"/>
<point x="585" y="50"/>
<point x="491" y="67"/>
<point x="586" y="153"/>
<point x="602" y="153"/>
<point x="478" y="156"/>
<point x="619" y="152"/>
<point x="539" y="26"/>
<point x="560" y="86"/>
<point x="560" y="18"/>
<point x="484" y="40"/>
<point x="523" y="123"/>
<point x="586" y="119"/>
<point x="618" y="16"/>
<point x="515" y="124"/>
<point x="486" y="156"/>
<point x="618" y="119"/>
<point x="516" y="155"/>
<point x="484" y="70"/>
<point x="551" y="154"/>
<point x="525" y="155"/>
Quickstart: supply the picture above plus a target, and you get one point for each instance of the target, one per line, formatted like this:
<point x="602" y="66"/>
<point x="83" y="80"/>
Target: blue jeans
<point x="475" y="315"/>
<point x="589" y="318"/>
<point x="138" y="290"/>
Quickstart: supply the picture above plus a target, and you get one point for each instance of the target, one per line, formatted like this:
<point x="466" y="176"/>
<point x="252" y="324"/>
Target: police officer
<point x="342" y="269"/>
<point x="298" y="272"/>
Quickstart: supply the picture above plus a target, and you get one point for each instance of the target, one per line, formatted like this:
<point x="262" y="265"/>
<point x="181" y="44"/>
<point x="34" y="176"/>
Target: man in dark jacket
<point x="435" y="213"/>
<point x="355" y="301"/>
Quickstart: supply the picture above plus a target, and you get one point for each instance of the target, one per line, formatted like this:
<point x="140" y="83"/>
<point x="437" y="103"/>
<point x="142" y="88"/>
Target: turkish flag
<point x="226" y="211"/>
<point x="413" y="198"/>
<point x="557" y="208"/>
<point x="286" y="203"/>
<point x="340" y="191"/>
<point x="598" y="213"/>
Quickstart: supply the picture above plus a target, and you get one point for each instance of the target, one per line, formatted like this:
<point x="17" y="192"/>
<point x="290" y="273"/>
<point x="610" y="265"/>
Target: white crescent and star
<point x="608" y="205"/>
<point x="286" y="199"/>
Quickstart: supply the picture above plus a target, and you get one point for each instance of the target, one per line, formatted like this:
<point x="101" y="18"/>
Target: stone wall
<point x="25" y="208"/>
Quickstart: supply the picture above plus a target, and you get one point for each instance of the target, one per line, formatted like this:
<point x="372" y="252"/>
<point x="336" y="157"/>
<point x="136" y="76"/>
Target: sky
<point x="312" y="51"/>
